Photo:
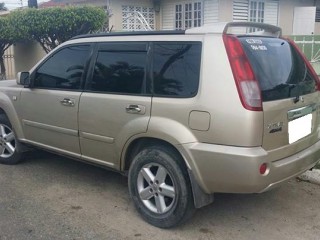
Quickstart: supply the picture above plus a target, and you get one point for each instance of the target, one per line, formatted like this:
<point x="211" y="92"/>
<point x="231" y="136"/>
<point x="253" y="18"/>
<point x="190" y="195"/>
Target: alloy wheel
<point x="7" y="141"/>
<point x="156" y="188"/>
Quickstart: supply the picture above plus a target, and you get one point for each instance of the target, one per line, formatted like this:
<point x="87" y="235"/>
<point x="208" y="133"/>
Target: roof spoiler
<point x="261" y="29"/>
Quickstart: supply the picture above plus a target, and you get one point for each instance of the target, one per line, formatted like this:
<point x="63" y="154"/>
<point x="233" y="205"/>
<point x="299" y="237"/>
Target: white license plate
<point x="299" y="128"/>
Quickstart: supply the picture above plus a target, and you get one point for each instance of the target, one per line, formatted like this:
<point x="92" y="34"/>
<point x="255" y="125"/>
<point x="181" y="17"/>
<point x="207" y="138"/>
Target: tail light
<point x="309" y="67"/>
<point x="247" y="85"/>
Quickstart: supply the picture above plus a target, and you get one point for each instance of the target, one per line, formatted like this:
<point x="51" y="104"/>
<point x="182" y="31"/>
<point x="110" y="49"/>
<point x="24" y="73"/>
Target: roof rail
<point x="263" y="28"/>
<point x="133" y="33"/>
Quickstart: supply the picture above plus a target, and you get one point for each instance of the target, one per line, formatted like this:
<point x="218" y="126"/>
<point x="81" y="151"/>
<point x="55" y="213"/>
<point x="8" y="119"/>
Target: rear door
<point x="115" y="105"/>
<point x="289" y="93"/>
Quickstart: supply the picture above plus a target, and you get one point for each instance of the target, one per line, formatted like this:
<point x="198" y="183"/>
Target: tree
<point x="7" y="38"/>
<point x="3" y="7"/>
<point x="53" y="26"/>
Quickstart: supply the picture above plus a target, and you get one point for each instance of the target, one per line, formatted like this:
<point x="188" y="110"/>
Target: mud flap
<point x="200" y="198"/>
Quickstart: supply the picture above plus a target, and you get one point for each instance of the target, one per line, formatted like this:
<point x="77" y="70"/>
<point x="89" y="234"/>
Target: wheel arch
<point x="139" y="143"/>
<point x="2" y="111"/>
<point x="7" y="108"/>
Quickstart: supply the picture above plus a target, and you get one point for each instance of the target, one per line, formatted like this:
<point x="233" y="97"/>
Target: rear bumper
<point x="236" y="170"/>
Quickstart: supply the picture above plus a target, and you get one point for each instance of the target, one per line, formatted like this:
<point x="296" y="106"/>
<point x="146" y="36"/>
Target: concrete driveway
<point x="50" y="197"/>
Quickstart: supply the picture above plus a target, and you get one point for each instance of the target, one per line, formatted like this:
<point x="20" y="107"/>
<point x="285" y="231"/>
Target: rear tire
<point x="160" y="187"/>
<point x="9" y="146"/>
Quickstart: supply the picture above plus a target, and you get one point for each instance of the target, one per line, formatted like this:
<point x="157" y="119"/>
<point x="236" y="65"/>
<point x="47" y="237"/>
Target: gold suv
<point x="224" y="108"/>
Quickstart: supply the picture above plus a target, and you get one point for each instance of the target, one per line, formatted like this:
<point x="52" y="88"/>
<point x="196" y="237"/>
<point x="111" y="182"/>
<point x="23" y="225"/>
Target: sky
<point x="11" y="4"/>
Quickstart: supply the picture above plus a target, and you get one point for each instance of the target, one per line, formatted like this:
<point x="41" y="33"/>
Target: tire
<point x="9" y="146"/>
<point x="160" y="187"/>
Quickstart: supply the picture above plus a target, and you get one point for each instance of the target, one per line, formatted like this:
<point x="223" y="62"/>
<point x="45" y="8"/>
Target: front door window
<point x="63" y="70"/>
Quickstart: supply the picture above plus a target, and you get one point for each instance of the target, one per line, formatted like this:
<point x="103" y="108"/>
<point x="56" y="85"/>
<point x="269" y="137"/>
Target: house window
<point x="317" y="14"/>
<point x="135" y="18"/>
<point x="256" y="11"/>
<point x="179" y="17"/>
<point x="188" y="15"/>
<point x="263" y="11"/>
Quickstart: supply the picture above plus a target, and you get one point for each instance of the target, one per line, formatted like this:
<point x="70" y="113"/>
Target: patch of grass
<point x="317" y="166"/>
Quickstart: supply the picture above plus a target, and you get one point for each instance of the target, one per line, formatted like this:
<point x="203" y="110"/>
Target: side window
<point x="176" y="68"/>
<point x="120" y="68"/>
<point x="64" y="69"/>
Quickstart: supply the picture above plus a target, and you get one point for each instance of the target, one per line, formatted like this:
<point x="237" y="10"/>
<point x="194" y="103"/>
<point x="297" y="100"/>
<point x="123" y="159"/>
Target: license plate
<point x="299" y="128"/>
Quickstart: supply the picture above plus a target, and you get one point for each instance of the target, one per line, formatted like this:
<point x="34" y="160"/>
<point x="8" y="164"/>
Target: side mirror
<point x="23" y="78"/>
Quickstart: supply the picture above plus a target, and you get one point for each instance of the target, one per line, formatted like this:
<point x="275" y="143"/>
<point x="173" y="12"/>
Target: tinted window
<point x="176" y="69"/>
<point x="120" y="68"/>
<point x="280" y="70"/>
<point x="64" y="69"/>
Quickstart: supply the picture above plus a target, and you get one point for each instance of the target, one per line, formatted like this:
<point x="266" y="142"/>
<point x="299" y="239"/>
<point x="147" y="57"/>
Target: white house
<point x="299" y="17"/>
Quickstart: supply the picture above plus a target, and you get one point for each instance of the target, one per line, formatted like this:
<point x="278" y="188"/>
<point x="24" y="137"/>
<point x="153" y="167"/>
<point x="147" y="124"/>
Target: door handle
<point x="67" y="102"/>
<point x="135" y="109"/>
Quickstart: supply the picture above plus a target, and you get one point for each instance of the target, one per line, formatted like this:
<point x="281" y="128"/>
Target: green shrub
<point x="53" y="26"/>
<point x="7" y="37"/>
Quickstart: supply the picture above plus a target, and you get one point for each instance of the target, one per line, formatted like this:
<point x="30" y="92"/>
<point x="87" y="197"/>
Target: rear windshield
<point x="280" y="70"/>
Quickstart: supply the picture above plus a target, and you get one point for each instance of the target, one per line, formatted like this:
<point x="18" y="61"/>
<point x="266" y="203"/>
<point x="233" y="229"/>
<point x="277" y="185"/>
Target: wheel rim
<point x="156" y="188"/>
<point x="7" y="141"/>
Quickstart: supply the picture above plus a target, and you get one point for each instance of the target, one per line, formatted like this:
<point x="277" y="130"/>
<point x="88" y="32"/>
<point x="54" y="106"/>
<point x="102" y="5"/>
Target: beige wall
<point x="115" y="21"/>
<point x="26" y="55"/>
<point x="286" y="16"/>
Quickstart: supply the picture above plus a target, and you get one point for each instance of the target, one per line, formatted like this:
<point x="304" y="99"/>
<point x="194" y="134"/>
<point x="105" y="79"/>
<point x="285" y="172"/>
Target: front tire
<point x="160" y="188"/>
<point x="9" y="146"/>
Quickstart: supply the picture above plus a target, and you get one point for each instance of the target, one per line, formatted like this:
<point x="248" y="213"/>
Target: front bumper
<point x="230" y="169"/>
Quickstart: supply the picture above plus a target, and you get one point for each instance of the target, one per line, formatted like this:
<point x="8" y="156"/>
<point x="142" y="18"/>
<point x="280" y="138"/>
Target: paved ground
<point x="50" y="197"/>
<point x="311" y="176"/>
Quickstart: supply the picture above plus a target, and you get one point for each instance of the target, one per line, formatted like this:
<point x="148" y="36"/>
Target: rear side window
<point x="280" y="70"/>
<point x="120" y="68"/>
<point x="176" y="68"/>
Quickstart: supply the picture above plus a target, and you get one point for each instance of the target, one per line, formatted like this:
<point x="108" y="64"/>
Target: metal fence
<point x="9" y="64"/>
<point x="310" y="46"/>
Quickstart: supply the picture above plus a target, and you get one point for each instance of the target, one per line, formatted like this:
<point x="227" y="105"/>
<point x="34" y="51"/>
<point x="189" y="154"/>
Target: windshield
<point x="280" y="70"/>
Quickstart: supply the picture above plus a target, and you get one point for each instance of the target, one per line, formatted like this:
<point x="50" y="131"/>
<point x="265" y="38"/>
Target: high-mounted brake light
<point x="308" y="64"/>
<point x="247" y="85"/>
